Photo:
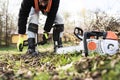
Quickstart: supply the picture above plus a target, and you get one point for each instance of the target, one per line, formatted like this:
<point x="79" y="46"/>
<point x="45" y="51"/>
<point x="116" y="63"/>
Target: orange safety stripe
<point x="36" y="5"/>
<point x="48" y="6"/>
<point x="111" y="35"/>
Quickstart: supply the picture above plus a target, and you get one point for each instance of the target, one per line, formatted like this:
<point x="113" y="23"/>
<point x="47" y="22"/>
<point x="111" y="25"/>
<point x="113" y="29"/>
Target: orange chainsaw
<point x="93" y="41"/>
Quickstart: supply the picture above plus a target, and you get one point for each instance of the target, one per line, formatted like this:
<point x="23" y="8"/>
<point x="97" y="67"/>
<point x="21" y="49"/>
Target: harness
<point x="45" y="10"/>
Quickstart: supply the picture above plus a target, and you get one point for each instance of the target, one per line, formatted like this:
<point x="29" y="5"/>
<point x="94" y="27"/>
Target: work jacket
<point x="25" y="10"/>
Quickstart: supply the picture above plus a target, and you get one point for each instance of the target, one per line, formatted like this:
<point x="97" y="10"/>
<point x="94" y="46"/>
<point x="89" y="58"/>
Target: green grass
<point x="8" y="48"/>
<point x="50" y="66"/>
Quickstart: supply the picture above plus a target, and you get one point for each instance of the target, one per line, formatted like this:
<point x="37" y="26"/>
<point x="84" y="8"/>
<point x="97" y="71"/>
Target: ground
<point x="47" y="65"/>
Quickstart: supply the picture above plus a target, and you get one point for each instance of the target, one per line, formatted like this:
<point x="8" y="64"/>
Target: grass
<point x="50" y="66"/>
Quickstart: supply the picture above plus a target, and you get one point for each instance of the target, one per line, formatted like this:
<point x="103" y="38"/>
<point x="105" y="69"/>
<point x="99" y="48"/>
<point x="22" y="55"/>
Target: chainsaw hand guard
<point x="78" y="32"/>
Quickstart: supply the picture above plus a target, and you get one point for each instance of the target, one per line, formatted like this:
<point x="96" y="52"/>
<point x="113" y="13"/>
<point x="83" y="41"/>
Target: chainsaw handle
<point x="78" y="32"/>
<point x="87" y="35"/>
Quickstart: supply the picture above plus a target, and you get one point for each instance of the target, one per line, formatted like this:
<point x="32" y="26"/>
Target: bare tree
<point x="6" y="34"/>
<point x="101" y="20"/>
<point x="2" y="21"/>
<point x="68" y="22"/>
<point x="106" y="22"/>
<point x="6" y="23"/>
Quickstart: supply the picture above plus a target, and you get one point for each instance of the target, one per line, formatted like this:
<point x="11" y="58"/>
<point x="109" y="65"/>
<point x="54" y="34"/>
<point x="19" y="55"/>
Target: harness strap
<point x="36" y="5"/>
<point x="48" y="6"/>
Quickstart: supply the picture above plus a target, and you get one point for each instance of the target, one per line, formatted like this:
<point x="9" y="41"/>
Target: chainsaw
<point x="93" y="41"/>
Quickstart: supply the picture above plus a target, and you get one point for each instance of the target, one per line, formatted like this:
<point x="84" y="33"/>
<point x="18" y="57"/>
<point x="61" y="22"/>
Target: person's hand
<point x="20" y="42"/>
<point x="45" y="37"/>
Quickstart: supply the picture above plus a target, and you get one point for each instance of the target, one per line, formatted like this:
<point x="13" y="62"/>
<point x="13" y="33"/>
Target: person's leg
<point x="57" y="36"/>
<point x="32" y="31"/>
<point x="58" y="31"/>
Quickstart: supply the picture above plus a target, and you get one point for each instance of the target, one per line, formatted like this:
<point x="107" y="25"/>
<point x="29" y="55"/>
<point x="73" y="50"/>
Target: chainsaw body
<point x="94" y="41"/>
<point x="102" y="46"/>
